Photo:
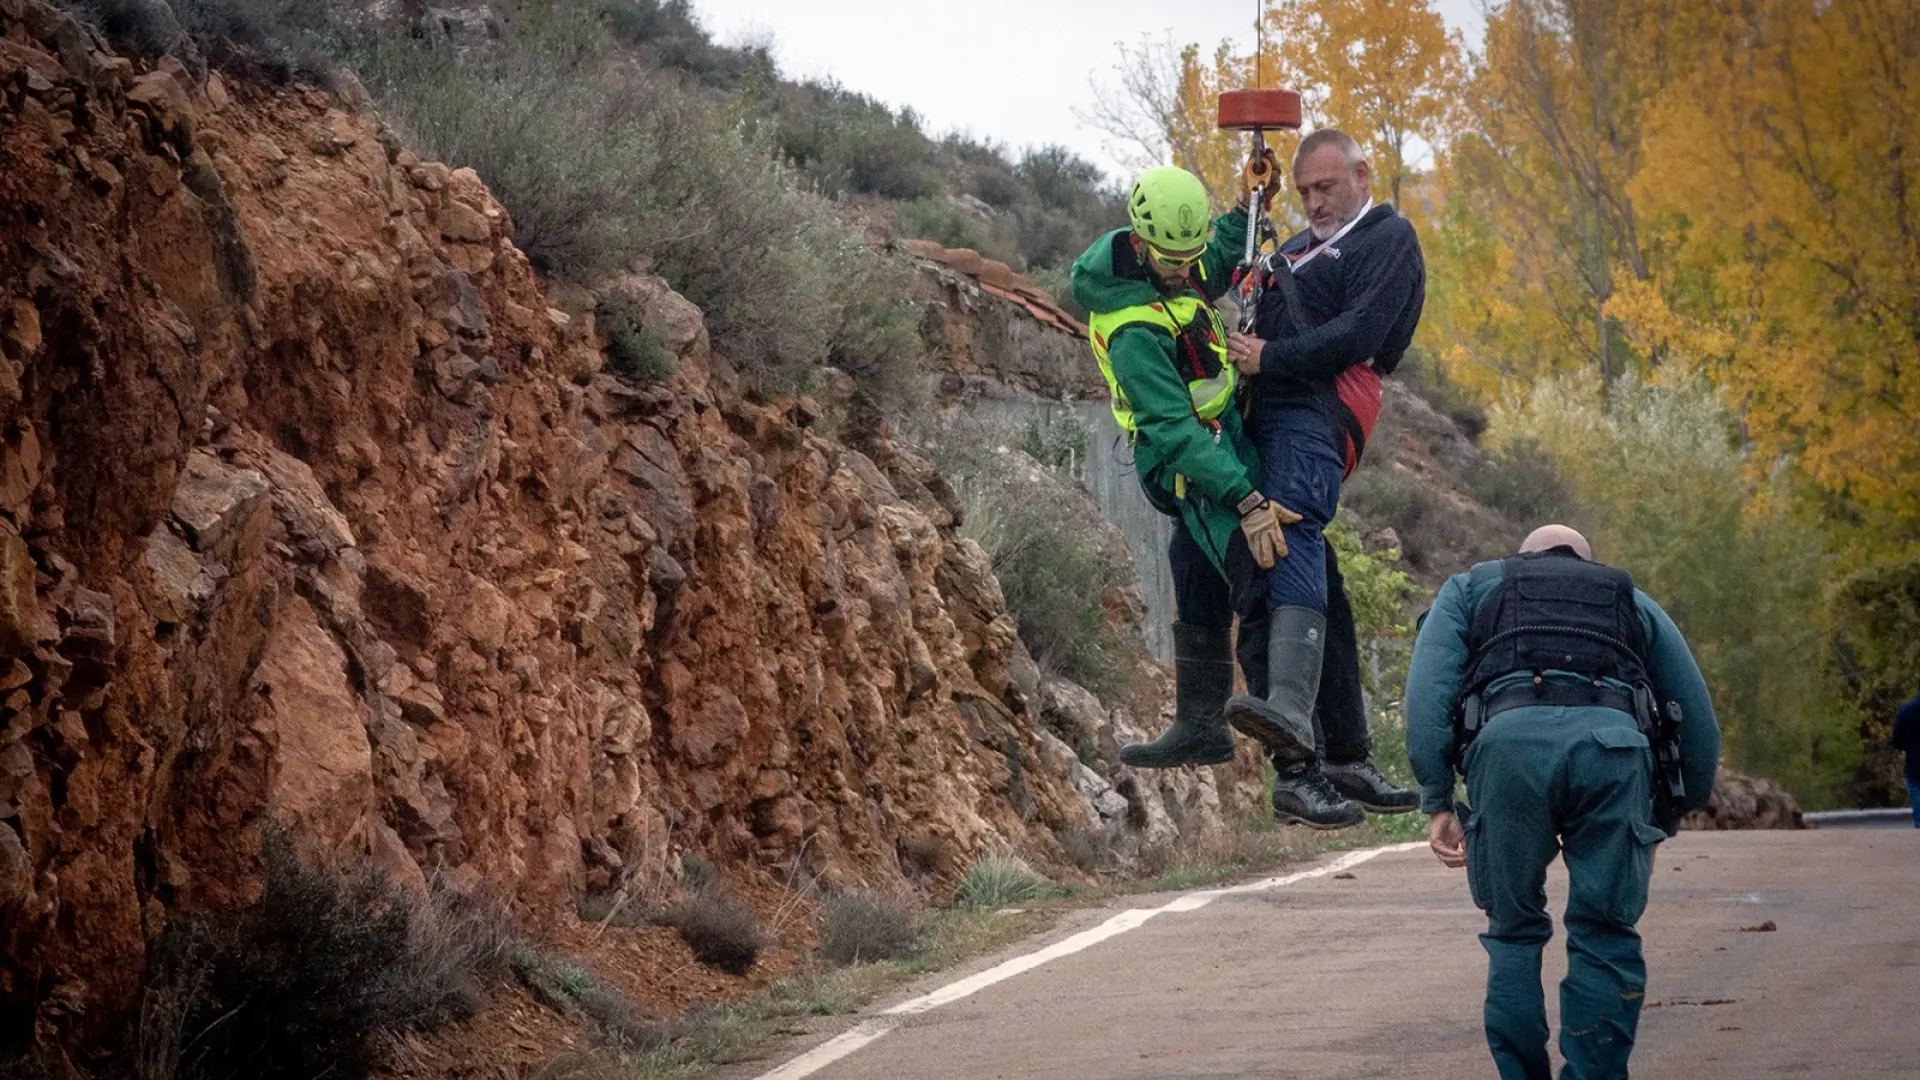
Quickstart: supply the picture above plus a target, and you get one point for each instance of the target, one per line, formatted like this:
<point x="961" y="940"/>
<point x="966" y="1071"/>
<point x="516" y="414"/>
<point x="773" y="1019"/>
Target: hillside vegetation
<point x="615" y="127"/>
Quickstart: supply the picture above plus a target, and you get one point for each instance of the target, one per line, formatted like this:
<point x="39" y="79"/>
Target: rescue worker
<point x="1163" y="351"/>
<point x="1342" y="302"/>
<point x="1541" y="654"/>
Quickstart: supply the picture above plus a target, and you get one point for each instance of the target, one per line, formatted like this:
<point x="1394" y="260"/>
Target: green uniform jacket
<point x="1440" y="662"/>
<point x="1171" y="441"/>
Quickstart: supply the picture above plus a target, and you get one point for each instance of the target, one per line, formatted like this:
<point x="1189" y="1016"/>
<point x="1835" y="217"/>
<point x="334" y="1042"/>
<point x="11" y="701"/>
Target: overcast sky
<point x="1010" y="70"/>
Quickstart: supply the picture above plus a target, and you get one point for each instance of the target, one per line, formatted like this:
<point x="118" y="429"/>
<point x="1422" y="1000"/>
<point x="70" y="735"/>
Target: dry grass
<point x="868" y="925"/>
<point x="722" y="932"/>
<point x="1093" y="851"/>
<point x="329" y="962"/>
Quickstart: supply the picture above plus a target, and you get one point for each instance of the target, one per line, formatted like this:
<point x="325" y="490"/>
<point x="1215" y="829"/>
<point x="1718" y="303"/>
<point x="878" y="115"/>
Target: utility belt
<point x="1556" y="693"/>
<point x="1660" y="724"/>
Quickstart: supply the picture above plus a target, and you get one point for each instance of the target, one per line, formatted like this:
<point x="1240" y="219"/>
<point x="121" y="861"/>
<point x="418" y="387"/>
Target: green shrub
<point x="998" y="185"/>
<point x="1427" y="378"/>
<point x="1376" y="587"/>
<point x="997" y="881"/>
<point x="1058" y="282"/>
<point x="1055" y="572"/>
<point x="1075" y="202"/>
<point x="1522" y="481"/>
<point x="634" y="352"/>
<point x="1381" y="593"/>
<point x="879" y="341"/>
<point x="1092" y="850"/>
<point x="669" y="35"/>
<point x="581" y="207"/>
<point x="1665" y="495"/>
<point x="1386" y="496"/>
<point x="849" y="142"/>
<point x="939" y="219"/>
<point x="779" y="278"/>
<point x="1062" y="180"/>
<point x="1877" y="617"/>
<point x="277" y="39"/>
<point x="1048" y="238"/>
<point x="864" y="926"/>
<point x="695" y="872"/>
<point x="616" y="907"/>
<point x="1054" y="576"/>
<point x="1057" y="439"/>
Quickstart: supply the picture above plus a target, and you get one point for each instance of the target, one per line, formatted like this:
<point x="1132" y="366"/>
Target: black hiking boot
<point x="1202" y="680"/>
<point x="1363" y="784"/>
<point x="1302" y="795"/>
<point x="1282" y="721"/>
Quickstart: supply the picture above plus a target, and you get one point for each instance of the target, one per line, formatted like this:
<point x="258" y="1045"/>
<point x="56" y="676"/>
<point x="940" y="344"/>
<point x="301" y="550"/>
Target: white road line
<point x="874" y="1029"/>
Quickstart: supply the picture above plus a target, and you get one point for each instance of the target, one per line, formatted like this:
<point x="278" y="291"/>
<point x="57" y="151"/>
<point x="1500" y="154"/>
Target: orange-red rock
<point x="510" y="620"/>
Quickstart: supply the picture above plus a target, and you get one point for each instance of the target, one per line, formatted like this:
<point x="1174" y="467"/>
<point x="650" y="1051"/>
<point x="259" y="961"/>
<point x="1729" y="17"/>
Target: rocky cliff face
<point x="994" y="334"/>
<point x="313" y="505"/>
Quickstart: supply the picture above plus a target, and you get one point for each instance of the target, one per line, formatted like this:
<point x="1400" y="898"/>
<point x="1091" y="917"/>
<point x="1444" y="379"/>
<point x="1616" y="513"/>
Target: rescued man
<point x="1339" y="311"/>
<point x="1551" y="664"/>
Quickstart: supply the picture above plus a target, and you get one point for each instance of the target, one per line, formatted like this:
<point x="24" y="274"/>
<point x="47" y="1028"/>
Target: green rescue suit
<point x="1553" y="647"/>
<point x="1165" y="362"/>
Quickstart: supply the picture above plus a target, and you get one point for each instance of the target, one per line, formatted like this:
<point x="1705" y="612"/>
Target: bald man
<point x="1533" y="675"/>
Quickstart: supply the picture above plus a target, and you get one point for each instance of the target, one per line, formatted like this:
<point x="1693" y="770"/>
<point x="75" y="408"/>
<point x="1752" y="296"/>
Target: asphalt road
<point x="1380" y="974"/>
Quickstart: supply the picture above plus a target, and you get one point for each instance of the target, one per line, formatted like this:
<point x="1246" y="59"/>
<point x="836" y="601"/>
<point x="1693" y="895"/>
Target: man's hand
<point x="1447" y="840"/>
<point x="1261" y="519"/>
<point x="1244" y="351"/>
<point x="1262" y="172"/>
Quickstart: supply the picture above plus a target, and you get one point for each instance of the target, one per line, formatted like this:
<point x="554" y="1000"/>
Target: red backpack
<point x="1358" y="387"/>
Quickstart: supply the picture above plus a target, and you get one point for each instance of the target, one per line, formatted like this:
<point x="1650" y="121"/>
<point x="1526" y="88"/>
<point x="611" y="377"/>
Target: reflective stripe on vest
<point x="1209" y="397"/>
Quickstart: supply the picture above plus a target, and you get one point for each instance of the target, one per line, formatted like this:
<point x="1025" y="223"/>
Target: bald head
<point x="1548" y="537"/>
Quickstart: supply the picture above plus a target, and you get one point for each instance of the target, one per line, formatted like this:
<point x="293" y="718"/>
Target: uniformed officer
<point x="1545" y="650"/>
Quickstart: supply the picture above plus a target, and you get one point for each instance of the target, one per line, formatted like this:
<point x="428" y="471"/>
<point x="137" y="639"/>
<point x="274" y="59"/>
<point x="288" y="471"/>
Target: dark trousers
<point x="1573" y="783"/>
<point x="1302" y="459"/>
<point x="1202" y="597"/>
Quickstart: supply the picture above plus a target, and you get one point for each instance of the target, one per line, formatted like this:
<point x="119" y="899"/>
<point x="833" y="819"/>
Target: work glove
<point x="1262" y="171"/>
<point x="1261" y="519"/>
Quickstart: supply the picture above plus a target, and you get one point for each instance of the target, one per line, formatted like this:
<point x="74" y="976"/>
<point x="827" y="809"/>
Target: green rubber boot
<point x="1282" y="722"/>
<point x="1202" y="679"/>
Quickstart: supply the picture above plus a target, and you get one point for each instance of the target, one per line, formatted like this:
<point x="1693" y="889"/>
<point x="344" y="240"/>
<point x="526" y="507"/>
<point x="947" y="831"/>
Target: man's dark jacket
<point x="1360" y="299"/>
<point x="1906" y="736"/>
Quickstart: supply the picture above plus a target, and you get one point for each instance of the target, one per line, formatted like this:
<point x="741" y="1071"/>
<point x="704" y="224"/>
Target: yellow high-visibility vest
<point x="1210" y="397"/>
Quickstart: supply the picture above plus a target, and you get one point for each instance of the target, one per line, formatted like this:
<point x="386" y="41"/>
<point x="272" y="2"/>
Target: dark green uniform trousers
<point x="1546" y="781"/>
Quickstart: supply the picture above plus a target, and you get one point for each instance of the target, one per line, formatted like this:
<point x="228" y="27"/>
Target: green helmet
<point x="1169" y="209"/>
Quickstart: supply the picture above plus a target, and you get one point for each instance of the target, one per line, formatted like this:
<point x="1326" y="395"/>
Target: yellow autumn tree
<point x="1387" y="72"/>
<point x="1540" y="226"/>
<point x="1782" y="181"/>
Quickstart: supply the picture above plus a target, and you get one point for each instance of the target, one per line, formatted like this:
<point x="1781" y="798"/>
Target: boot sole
<point x="1373" y="809"/>
<point x="1295" y="819"/>
<point x="1216" y="759"/>
<point x="1263" y="729"/>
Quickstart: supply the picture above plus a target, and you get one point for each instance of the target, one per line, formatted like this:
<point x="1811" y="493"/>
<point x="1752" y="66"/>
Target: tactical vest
<point x="1199" y="349"/>
<point x="1557" y="612"/>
